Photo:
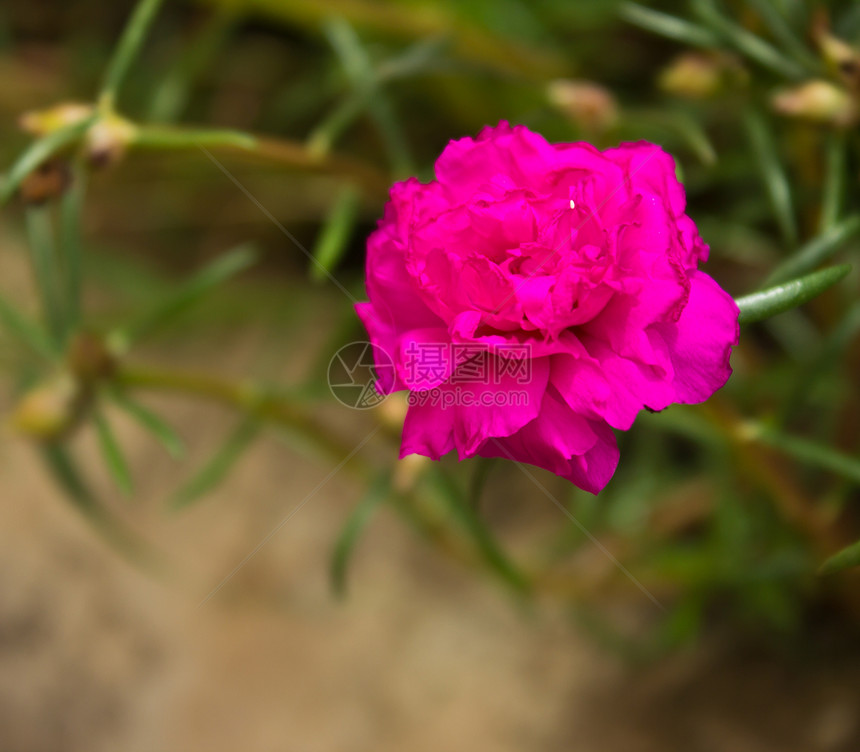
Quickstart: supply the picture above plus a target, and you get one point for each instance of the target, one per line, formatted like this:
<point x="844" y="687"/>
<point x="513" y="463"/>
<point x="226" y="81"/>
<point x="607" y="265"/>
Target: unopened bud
<point x="108" y="139"/>
<point x="587" y="104"/>
<point x="42" y="122"/>
<point x="408" y="471"/>
<point x="392" y="412"/>
<point x="841" y="57"/>
<point x="819" y="101"/>
<point x="48" y="181"/>
<point x="50" y="410"/>
<point x="698" y="75"/>
<point x="89" y="358"/>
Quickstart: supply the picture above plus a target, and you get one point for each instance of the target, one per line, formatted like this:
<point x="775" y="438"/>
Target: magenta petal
<point x="599" y="390"/>
<point x="424" y="358"/>
<point x="581" y="263"/>
<point x="463" y="415"/>
<point x="650" y="168"/>
<point x="563" y="442"/>
<point x="384" y="337"/>
<point x="700" y="345"/>
<point x="428" y="430"/>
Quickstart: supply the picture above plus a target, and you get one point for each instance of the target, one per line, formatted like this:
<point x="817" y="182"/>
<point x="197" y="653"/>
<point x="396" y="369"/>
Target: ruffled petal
<point x="700" y="344"/>
<point x="469" y="409"/>
<point x="565" y="443"/>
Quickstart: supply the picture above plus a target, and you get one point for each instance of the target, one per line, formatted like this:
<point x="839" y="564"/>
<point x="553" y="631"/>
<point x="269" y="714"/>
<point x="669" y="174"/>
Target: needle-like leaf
<point x="38" y="152"/>
<point x="353" y="528"/>
<point x="775" y="180"/>
<point x="113" y="454"/>
<point x="773" y="300"/>
<point x="214" y="471"/>
<point x="816" y="251"/>
<point x="672" y="27"/>
<point x="188" y="294"/>
<point x="147" y="419"/>
<point x="847" y="557"/>
<point x="334" y="237"/>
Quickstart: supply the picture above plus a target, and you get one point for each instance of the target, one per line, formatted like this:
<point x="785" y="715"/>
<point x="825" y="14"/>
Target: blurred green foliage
<point x="722" y="511"/>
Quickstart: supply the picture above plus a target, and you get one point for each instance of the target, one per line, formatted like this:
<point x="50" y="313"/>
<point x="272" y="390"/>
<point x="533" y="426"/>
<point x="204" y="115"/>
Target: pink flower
<point x="535" y="296"/>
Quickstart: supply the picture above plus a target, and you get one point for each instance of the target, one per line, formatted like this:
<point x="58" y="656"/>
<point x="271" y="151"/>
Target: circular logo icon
<point x="354" y="371"/>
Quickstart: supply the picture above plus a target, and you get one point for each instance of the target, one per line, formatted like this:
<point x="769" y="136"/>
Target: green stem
<point x="44" y="264"/>
<point x="288" y="153"/>
<point x="127" y="50"/>
<point x="745" y="42"/>
<point x="368" y="91"/>
<point x="834" y="182"/>
<point x="785" y="35"/>
<point x="71" y="211"/>
<point x="39" y="152"/>
<point x="175" y="90"/>
<point x="248" y="398"/>
<point x="773" y="175"/>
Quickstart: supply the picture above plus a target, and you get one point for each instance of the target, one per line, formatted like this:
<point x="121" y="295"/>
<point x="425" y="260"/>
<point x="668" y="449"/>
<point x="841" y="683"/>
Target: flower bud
<point x="90" y="359"/>
<point x="819" y="101"/>
<point x="408" y="471"/>
<point x="42" y="122"/>
<point x="587" y="104"/>
<point x="49" y="411"/>
<point x="108" y="139"/>
<point x="841" y="57"/>
<point x="697" y="75"/>
<point x="48" y="181"/>
<point x="392" y="412"/>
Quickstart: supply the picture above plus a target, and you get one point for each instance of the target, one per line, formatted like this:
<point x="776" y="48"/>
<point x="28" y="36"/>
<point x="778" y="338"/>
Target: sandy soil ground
<point x="99" y="654"/>
<point x="96" y="654"/>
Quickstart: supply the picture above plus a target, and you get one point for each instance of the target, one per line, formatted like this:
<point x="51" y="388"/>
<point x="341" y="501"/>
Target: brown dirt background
<point x="97" y="654"/>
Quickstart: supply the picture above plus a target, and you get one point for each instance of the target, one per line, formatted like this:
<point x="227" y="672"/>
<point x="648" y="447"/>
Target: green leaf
<point x="187" y="295"/>
<point x="71" y="211"/>
<point x="38" y="152"/>
<point x="811" y="452"/>
<point x="745" y="42"/>
<point x="485" y="542"/>
<point x="367" y="93"/>
<point x="825" y="363"/>
<point x="334" y="238"/>
<point x="847" y="557"/>
<point x="773" y="300"/>
<point x="678" y="123"/>
<point x="775" y="180"/>
<point x="816" y="251"/>
<point x="26" y="331"/>
<point x="353" y="528"/>
<point x="43" y="257"/>
<point x="781" y="30"/>
<point x="834" y="182"/>
<point x="480" y="475"/>
<point x="196" y="56"/>
<point x="147" y="419"/>
<point x="128" y="48"/>
<point x="214" y="471"/>
<point x="668" y="26"/>
<point x="113" y="455"/>
<point x="414" y="60"/>
<point x="64" y="471"/>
